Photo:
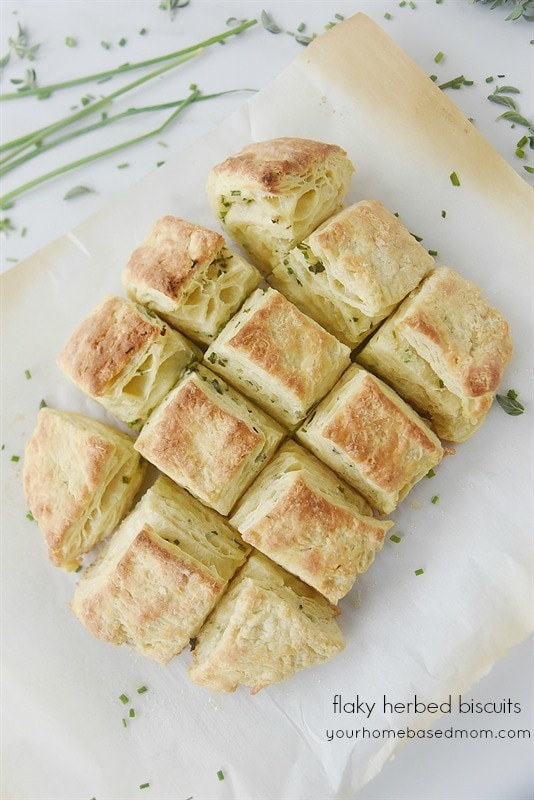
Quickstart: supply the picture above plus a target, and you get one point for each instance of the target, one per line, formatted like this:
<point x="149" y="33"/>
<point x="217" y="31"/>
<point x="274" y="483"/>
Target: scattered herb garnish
<point x="510" y="404"/>
<point x="395" y="538"/>
<point x="431" y="473"/>
<point x="27" y="374"/>
<point x="268" y="23"/>
<point x="6" y="225"/>
<point x="220" y="775"/>
<point x="124" y="699"/>
<point x="435" y="499"/>
<point x="76" y="191"/>
<point x="172" y="5"/>
<point x="419" y="571"/>
<point x="15" y="458"/>
<point x="70" y="41"/>
<point x="142" y="690"/>
<point x="522" y="8"/>
<point x="454" y="179"/>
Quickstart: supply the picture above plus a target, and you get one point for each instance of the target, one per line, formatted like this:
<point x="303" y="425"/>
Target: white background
<point x="475" y="40"/>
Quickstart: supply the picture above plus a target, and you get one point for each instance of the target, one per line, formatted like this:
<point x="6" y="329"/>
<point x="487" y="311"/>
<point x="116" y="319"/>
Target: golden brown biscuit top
<point x="379" y="437"/>
<point x="201" y="440"/>
<point x="287" y="344"/>
<point x="373" y="253"/>
<point x="106" y="342"/>
<point x="173" y="253"/>
<point x="465" y="340"/>
<point x="177" y="569"/>
<point x="268" y="164"/>
<point x="64" y="466"/>
<point x="313" y="520"/>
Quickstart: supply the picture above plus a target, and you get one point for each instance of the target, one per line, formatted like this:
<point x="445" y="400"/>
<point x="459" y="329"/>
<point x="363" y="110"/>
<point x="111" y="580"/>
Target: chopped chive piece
<point x="443" y="213"/>
<point x="125" y="479"/>
<point x="15" y="458"/>
<point x="432" y="252"/>
<point x="123" y="166"/>
<point x="419" y="571"/>
<point x="433" y="78"/>
<point x="430" y="473"/>
<point x="438" y="57"/>
<point x="123" y="699"/>
<point x="441" y="384"/>
<point x="435" y="499"/>
<point x="124" y="723"/>
<point x="142" y="690"/>
<point x="78" y="568"/>
<point x="30" y="516"/>
<point x="529" y="169"/>
<point x="340" y="17"/>
<point x="454" y="179"/>
<point x="122" y="42"/>
<point x="132" y="712"/>
<point x="142" y="32"/>
<point x="144" y="785"/>
<point x="412" y="4"/>
<point x="387" y="15"/>
<point x="105" y="45"/>
<point x="42" y="404"/>
<point x="395" y="538"/>
<point x="520" y="153"/>
<point x="28" y="374"/>
<point x="220" y="774"/>
<point x="70" y="41"/>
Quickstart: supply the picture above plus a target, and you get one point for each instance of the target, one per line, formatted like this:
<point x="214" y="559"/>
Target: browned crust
<point x="105" y="343"/>
<point x="173" y="445"/>
<point x="57" y="494"/>
<point x="380" y="438"/>
<point x="470" y="338"/>
<point x="279" y="338"/>
<point x="174" y="253"/>
<point x="269" y="163"/>
<point x="315" y="528"/>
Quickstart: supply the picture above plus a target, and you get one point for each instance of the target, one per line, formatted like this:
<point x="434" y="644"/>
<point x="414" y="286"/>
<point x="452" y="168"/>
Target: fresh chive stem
<point x="37" y="137"/>
<point x="10" y="196"/>
<point x="45" y="91"/>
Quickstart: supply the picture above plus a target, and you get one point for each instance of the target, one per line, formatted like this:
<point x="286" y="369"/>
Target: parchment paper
<point x="428" y="636"/>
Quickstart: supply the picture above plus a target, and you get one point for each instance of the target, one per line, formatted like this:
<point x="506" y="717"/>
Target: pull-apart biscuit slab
<point x="366" y="433"/>
<point x="278" y="356"/>
<point x="187" y="275"/>
<point x="306" y="519"/>
<point x="126" y="358"/>
<point x="161" y="574"/>
<point x="80" y="478"/>
<point x="268" y="626"/>
<point x="209" y="439"/>
<point x="444" y="350"/>
<point x="272" y="194"/>
<point x="353" y="270"/>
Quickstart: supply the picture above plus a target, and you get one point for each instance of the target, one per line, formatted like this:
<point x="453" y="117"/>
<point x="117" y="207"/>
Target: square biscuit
<point x="126" y="358"/>
<point x="352" y="271"/>
<point x="268" y="626"/>
<point x="272" y="194"/>
<point x="300" y="514"/>
<point x="161" y="574"/>
<point x="366" y="433"/>
<point x="444" y="350"/>
<point x="187" y="275"/>
<point x="209" y="439"/>
<point x="278" y="356"/>
<point x="80" y="478"/>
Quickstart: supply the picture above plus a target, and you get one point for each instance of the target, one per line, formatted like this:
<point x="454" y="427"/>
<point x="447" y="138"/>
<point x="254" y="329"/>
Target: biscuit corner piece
<point x="353" y="271"/>
<point x="80" y="478"/>
<point x="444" y="350"/>
<point x="160" y="575"/>
<point x="268" y="626"/>
<point x="371" y="437"/>
<point x="272" y="194"/>
<point x="186" y="274"/>
<point x="209" y="439"/>
<point x="126" y="358"/>
<point x="300" y="514"/>
<point x="278" y="356"/>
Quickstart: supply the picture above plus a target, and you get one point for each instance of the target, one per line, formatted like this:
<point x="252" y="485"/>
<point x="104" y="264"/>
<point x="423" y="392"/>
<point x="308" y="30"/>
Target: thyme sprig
<point x="42" y="92"/>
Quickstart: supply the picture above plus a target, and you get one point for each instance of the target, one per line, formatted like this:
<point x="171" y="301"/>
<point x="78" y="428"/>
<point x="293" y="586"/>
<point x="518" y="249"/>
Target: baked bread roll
<point x="80" y="478"/>
<point x="444" y="350"/>
<point x="209" y="439"/>
<point x="300" y="514"/>
<point x="353" y="270"/>
<point x="126" y="358"/>
<point x="272" y="194"/>
<point x="187" y="275"/>
<point x="160" y="575"/>
<point x="268" y="626"/>
<point x="278" y="356"/>
<point x="366" y="433"/>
